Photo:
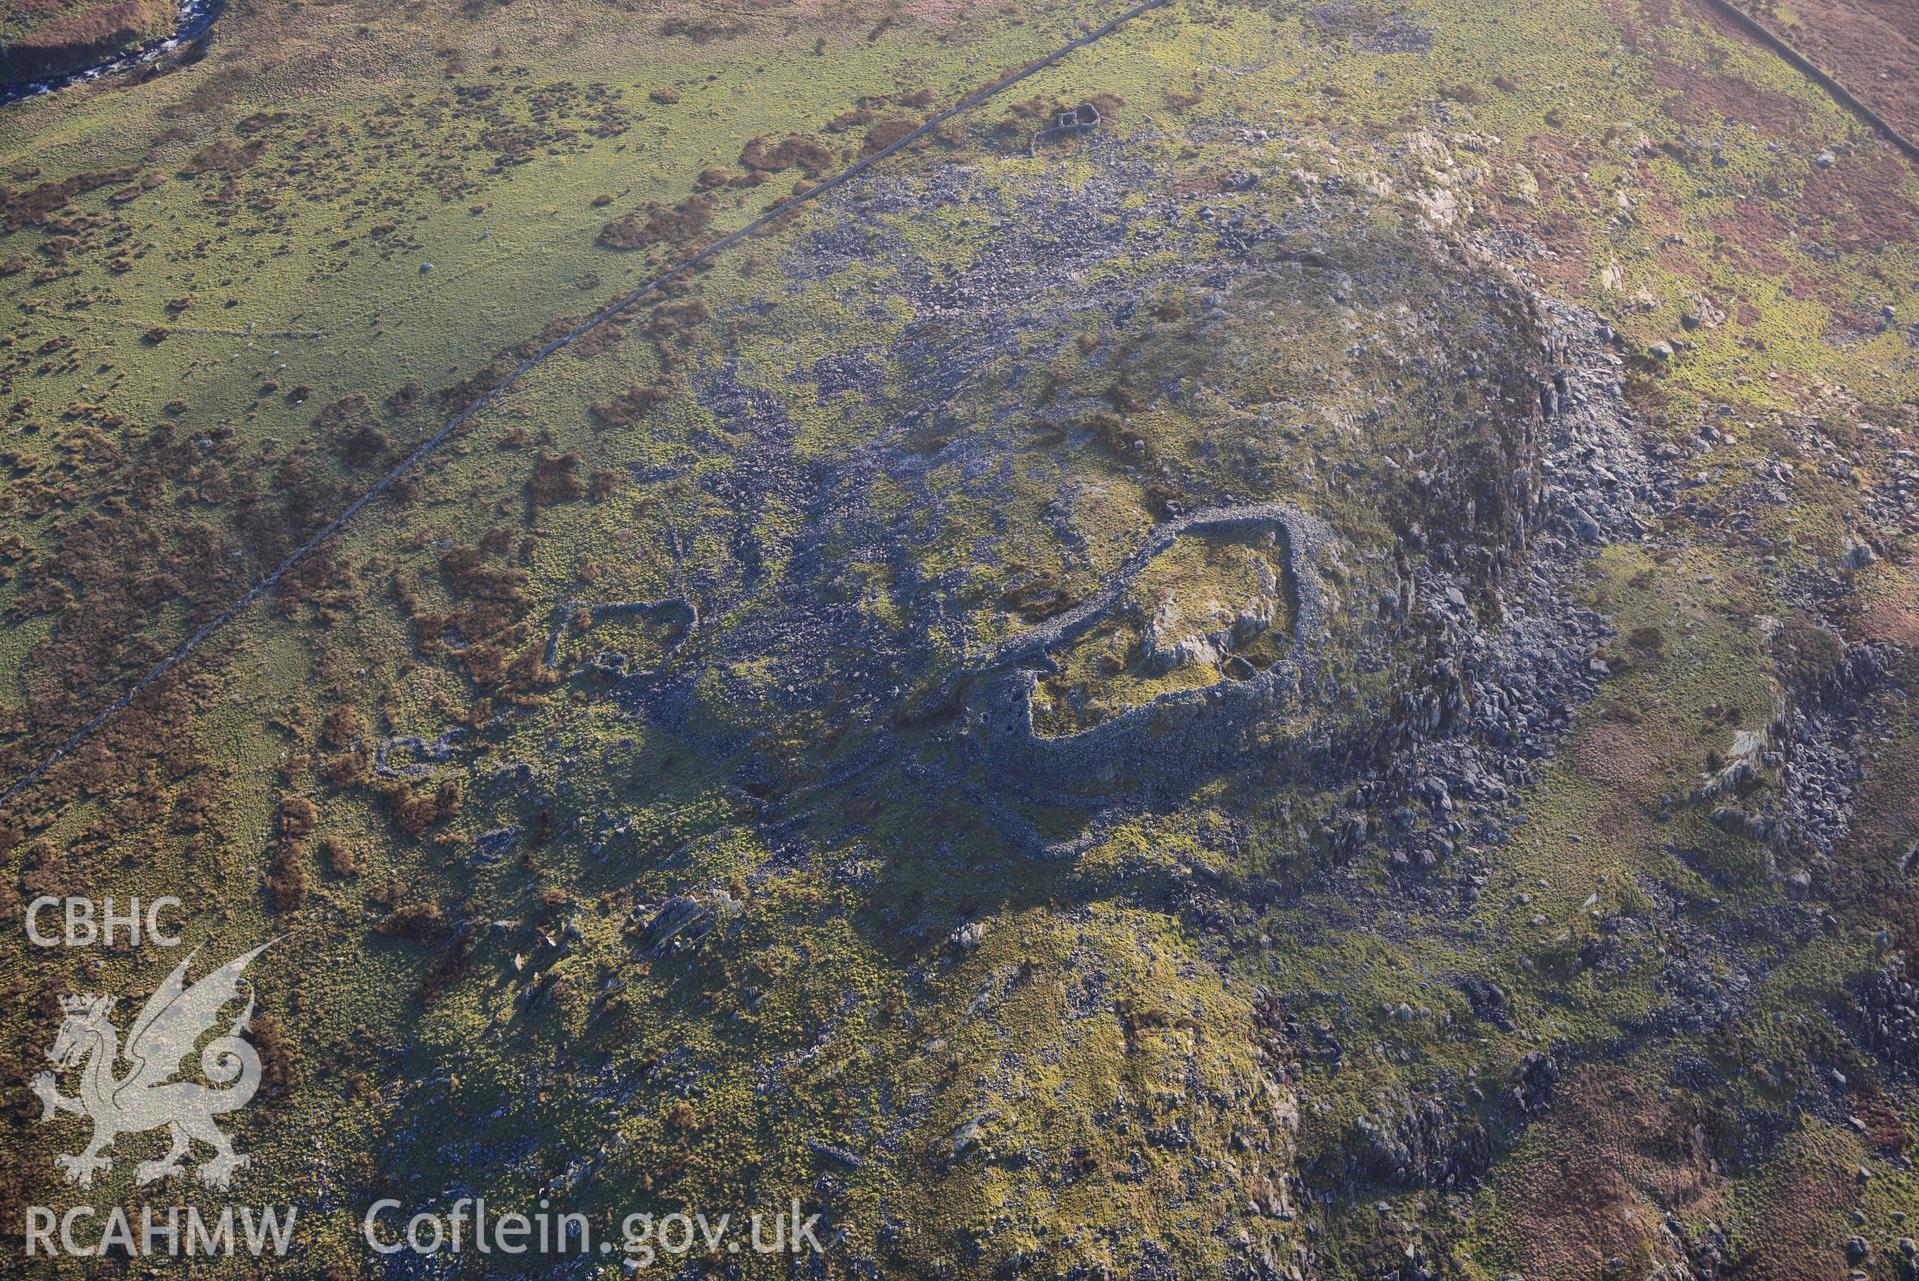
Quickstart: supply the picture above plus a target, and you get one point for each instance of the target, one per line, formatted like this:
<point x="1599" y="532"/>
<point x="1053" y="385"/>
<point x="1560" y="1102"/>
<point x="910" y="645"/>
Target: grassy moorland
<point x="623" y="785"/>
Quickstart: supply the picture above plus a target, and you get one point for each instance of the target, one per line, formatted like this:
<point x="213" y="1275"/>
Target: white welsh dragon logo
<point x="148" y="1095"/>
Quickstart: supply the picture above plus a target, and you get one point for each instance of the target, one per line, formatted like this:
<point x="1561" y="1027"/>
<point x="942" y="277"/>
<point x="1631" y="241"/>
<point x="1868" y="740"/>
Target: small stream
<point x="196" y="18"/>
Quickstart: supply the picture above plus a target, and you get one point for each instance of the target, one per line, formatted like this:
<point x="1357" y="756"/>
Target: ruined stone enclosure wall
<point x="1193" y="728"/>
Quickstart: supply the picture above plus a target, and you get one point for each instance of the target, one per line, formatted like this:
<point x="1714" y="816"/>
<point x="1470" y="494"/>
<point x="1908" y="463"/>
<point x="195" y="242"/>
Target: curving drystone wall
<point x="1181" y="731"/>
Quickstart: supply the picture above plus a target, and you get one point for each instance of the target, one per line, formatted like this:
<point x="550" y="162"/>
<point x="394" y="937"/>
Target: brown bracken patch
<point x="1885" y="1131"/>
<point x="1618" y="1156"/>
<point x="1703" y="99"/>
<point x="1618" y="755"/>
<point x="1862" y="198"/>
<point x="1893" y="616"/>
<point x="1799" y="1231"/>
